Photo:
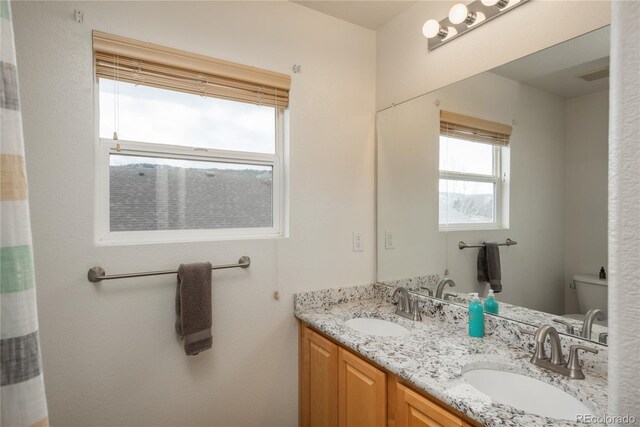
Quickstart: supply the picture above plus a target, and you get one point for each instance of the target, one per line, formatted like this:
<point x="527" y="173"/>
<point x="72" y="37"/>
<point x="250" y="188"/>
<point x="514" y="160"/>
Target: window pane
<point x="466" y="202"/>
<point x="458" y="155"/>
<point x="149" y="193"/>
<point x="148" y="114"/>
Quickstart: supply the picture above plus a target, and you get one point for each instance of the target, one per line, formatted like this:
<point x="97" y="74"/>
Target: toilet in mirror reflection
<point x="591" y="292"/>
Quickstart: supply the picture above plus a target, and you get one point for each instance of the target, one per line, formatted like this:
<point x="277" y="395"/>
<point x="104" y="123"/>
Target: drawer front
<point x="414" y="410"/>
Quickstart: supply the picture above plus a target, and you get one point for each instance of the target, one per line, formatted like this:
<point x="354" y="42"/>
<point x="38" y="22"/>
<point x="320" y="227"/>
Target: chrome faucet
<point x="556" y="362"/>
<point x="429" y="291"/>
<point x="449" y="296"/>
<point x="573" y="364"/>
<point x="403" y="298"/>
<point x="556" y="348"/>
<point x="593" y="314"/>
<point x="571" y="330"/>
<point x="442" y="284"/>
<point x="408" y="306"/>
<point x="603" y="337"/>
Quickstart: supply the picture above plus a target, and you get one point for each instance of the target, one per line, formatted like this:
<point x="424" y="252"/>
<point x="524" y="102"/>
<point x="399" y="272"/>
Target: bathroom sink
<point x="378" y="327"/>
<point x="526" y="393"/>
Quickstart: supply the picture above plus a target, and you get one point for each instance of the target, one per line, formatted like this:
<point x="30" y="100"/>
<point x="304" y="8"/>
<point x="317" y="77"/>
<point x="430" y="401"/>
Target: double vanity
<point x="364" y="364"/>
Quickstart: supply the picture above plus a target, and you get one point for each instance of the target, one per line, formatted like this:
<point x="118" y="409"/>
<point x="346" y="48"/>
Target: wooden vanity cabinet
<point x="339" y="388"/>
<point x="362" y="392"/>
<point x="318" y="370"/>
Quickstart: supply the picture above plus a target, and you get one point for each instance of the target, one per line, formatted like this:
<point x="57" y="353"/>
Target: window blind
<point x="474" y="129"/>
<point x="122" y="59"/>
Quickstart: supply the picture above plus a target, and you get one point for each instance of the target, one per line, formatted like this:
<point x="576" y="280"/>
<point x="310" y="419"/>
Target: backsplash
<point x="528" y="315"/>
<point x="415" y="283"/>
<point x="326" y="297"/>
<point x="509" y="311"/>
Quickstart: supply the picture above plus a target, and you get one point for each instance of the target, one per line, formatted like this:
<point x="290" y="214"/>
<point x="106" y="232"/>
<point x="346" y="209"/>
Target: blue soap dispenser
<point x="476" y="317"/>
<point x="490" y="304"/>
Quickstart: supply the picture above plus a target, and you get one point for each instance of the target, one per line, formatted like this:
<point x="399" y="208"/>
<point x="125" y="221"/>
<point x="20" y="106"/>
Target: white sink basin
<point x="526" y="393"/>
<point x="378" y="327"/>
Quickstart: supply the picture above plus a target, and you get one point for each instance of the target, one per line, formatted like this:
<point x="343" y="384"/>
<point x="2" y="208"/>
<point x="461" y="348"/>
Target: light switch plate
<point x="357" y="242"/>
<point x="388" y="240"/>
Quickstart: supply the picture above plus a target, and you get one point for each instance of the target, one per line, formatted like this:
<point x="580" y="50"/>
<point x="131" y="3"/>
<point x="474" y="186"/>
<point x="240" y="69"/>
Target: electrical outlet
<point x="357" y="242"/>
<point x="388" y="240"/>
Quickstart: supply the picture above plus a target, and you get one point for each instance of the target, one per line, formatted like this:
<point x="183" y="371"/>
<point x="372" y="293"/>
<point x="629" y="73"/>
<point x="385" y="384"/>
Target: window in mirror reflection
<point x="470" y="187"/>
<point x="457" y="155"/>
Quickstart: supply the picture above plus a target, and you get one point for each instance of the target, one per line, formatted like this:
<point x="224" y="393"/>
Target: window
<point x="473" y="187"/>
<point x="183" y="155"/>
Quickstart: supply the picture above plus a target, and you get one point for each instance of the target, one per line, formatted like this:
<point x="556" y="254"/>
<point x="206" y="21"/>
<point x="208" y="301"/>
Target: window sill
<point x="471" y="227"/>
<point x="128" y="238"/>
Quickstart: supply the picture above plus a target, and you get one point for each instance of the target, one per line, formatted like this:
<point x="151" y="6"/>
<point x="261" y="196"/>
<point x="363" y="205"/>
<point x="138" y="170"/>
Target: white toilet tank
<point x="591" y="293"/>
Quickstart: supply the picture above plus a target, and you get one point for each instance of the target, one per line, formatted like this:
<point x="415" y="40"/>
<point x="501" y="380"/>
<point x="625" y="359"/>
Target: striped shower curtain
<point x="22" y="399"/>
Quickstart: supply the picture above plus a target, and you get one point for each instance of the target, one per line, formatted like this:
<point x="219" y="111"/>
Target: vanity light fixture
<point x="463" y="18"/>
<point x="459" y="13"/>
<point x="500" y="3"/>
<point x="432" y="28"/>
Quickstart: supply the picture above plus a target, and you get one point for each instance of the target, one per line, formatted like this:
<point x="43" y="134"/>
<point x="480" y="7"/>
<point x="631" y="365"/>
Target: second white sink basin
<point x="526" y="393"/>
<point x="377" y="327"/>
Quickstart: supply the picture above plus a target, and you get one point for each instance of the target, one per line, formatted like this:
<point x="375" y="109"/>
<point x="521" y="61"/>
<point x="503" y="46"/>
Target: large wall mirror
<point x="517" y="154"/>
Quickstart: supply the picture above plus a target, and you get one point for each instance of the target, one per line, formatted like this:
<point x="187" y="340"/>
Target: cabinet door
<point x="362" y="392"/>
<point x="318" y="381"/>
<point x="414" y="410"/>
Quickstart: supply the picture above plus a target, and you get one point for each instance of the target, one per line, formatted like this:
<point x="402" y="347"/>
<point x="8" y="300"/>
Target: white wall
<point x="586" y="204"/>
<point x="532" y="271"/>
<point x="624" y="213"/>
<point x="110" y="353"/>
<point x="406" y="69"/>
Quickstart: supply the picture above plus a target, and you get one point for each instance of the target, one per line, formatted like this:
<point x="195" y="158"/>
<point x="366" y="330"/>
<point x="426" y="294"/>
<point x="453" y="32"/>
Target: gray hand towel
<point x="489" y="266"/>
<point x="193" y="307"/>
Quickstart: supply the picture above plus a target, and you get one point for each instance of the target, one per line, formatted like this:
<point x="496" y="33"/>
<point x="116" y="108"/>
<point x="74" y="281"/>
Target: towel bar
<point x="97" y="274"/>
<point x="463" y="245"/>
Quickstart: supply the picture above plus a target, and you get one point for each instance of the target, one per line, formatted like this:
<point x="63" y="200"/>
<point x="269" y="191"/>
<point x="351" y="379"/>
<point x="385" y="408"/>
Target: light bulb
<point x="431" y="28"/>
<point x="458" y="13"/>
<point x="500" y="3"/>
<point x="479" y="18"/>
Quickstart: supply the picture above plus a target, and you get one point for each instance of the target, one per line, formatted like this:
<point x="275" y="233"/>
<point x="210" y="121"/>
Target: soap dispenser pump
<point x="490" y="304"/>
<point x="476" y="317"/>
<point x="603" y="274"/>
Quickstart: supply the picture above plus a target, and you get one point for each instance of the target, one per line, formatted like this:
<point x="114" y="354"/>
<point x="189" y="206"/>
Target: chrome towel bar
<point x="97" y="274"/>
<point x="463" y="245"/>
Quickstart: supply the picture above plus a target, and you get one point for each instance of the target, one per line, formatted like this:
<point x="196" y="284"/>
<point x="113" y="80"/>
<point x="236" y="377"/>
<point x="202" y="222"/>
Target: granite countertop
<point x="531" y="316"/>
<point x="425" y="284"/>
<point x="436" y="352"/>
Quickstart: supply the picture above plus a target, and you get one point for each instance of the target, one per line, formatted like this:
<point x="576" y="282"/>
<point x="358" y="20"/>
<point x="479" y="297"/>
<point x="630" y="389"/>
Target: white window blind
<point x="122" y="59"/>
<point x="473" y="129"/>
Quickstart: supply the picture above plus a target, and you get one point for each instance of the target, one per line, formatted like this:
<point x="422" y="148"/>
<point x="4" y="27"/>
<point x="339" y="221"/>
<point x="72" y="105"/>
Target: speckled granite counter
<point x="438" y="350"/>
<point x="426" y="285"/>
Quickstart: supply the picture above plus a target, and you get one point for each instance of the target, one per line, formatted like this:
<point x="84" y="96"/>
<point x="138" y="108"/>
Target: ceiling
<point x="557" y="68"/>
<point x="370" y="14"/>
